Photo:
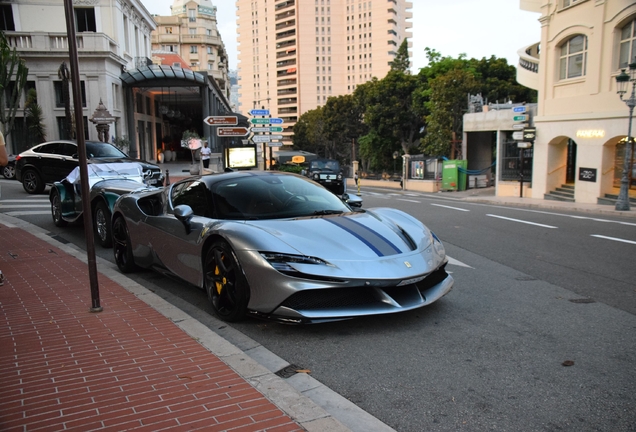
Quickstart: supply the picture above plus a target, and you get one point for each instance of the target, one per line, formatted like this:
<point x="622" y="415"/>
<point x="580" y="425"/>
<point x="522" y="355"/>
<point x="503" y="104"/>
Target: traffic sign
<point x="221" y="120"/>
<point x="517" y="136"/>
<point x="519" y="125"/>
<point x="267" y="129"/>
<point x="275" y="144"/>
<point x="262" y="121"/>
<point x="519" y="109"/>
<point x="259" y="112"/>
<point x="529" y="134"/>
<point x="520" y="118"/>
<point x="262" y="138"/>
<point x="232" y="131"/>
<point x="524" y="145"/>
<point x="276" y="120"/>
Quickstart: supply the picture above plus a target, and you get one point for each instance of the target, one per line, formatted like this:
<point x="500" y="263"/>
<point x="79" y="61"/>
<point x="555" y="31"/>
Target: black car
<point x="327" y="172"/>
<point x="52" y="161"/>
<point x="8" y="171"/>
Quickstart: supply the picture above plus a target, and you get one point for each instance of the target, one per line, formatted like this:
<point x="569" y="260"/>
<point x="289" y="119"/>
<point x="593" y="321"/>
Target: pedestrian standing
<point x="4" y="159"/>
<point x="205" y="154"/>
<point x="355" y="177"/>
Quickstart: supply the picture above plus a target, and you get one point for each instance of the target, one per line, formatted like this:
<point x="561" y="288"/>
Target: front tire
<point x="122" y="247"/>
<point x="56" y="210"/>
<point x="225" y="284"/>
<point x="102" y="225"/>
<point x="32" y="182"/>
<point x="8" y="172"/>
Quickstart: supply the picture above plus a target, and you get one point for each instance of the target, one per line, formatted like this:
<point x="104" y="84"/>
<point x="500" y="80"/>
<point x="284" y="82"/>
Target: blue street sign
<point x="519" y="109"/>
<point x="276" y="120"/>
<point x="259" y="112"/>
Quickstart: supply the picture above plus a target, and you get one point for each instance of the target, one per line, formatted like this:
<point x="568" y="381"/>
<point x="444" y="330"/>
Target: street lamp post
<point x="622" y="84"/>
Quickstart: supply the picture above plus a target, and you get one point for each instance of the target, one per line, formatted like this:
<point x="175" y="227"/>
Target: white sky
<point x="478" y="28"/>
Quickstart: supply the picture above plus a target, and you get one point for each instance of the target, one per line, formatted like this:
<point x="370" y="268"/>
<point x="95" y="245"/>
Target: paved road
<point x="535" y="291"/>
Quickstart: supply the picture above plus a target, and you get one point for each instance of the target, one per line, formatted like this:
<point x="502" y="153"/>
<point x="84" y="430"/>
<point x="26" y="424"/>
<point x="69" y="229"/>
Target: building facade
<point x="112" y="36"/>
<point x="191" y="32"/>
<point x="581" y="123"/>
<point x="294" y="54"/>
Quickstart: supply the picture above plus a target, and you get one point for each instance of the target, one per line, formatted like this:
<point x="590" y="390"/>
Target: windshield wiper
<point x="327" y="212"/>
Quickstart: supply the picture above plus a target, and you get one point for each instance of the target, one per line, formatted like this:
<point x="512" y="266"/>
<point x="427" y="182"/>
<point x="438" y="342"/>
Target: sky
<point x="477" y="28"/>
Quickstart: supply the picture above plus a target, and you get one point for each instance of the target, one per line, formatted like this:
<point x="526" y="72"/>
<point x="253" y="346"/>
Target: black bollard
<point x="167" y="182"/>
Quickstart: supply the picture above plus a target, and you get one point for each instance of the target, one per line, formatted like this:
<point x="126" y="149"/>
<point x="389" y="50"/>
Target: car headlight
<point x="281" y="262"/>
<point x="339" y="176"/>
<point x="316" y="176"/>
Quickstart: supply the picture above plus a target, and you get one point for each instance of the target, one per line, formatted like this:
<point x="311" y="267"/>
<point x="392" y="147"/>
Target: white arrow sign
<point x="518" y="136"/>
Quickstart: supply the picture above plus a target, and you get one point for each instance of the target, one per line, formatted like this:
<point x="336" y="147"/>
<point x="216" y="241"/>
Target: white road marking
<point x="521" y="221"/>
<point x="28" y="213"/>
<point x="407" y="200"/>
<point x="454" y="208"/>
<point x="614" y="239"/>
<point x="4" y="206"/>
<point x="34" y="199"/>
<point x="453" y="261"/>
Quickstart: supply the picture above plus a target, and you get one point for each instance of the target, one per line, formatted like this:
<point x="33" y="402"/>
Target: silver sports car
<point x="279" y="246"/>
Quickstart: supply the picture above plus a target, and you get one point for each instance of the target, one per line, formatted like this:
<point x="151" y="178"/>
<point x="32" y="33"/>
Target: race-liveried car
<point x="277" y="245"/>
<point x="327" y="172"/>
<point x="107" y="182"/>
<point x="52" y="161"/>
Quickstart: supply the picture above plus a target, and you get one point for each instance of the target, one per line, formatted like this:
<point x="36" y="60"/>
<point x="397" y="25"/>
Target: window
<point x="168" y="30"/>
<point x="85" y="20"/>
<point x="6" y="18"/>
<point x="194" y="49"/>
<point x="59" y="93"/>
<point x="567" y="3"/>
<point x="573" y="57"/>
<point x="628" y="45"/>
<point x="194" y="194"/>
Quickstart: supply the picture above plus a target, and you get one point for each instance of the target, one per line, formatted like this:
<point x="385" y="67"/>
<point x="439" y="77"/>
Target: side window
<point x="68" y="149"/>
<point x="193" y="194"/>
<point x="51" y="148"/>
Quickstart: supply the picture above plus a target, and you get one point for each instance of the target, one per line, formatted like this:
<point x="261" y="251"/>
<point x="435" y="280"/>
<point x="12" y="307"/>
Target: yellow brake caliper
<point x="219" y="285"/>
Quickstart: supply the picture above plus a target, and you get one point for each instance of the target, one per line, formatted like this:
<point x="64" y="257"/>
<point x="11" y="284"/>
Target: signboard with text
<point x="221" y="120"/>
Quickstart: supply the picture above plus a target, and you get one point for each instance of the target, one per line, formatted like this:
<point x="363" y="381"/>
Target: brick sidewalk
<point x="126" y="368"/>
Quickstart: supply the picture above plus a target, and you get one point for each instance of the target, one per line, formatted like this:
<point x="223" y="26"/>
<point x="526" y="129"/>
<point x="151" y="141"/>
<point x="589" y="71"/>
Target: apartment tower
<point x="295" y="54"/>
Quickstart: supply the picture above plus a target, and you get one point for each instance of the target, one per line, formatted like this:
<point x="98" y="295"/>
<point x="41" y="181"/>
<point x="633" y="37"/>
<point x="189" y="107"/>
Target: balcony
<point x="33" y="42"/>
<point x="528" y="68"/>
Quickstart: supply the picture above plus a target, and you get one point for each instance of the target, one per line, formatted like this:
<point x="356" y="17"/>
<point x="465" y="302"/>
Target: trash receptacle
<point x="449" y="175"/>
<point x="462" y="174"/>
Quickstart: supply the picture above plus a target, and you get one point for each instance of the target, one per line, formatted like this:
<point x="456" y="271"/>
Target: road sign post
<point x="231" y="131"/>
<point x="221" y="120"/>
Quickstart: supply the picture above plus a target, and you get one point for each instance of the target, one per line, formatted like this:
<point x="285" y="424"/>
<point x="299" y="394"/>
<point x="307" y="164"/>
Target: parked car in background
<point x="107" y="182"/>
<point x="8" y="171"/>
<point x="52" y="161"/>
<point x="279" y="246"/>
<point x="327" y="172"/>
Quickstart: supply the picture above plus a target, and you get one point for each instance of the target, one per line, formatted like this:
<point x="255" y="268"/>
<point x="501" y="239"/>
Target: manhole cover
<point x="60" y="239"/>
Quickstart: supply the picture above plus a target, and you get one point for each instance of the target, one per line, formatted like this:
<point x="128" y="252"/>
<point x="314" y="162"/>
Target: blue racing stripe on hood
<point x="376" y="242"/>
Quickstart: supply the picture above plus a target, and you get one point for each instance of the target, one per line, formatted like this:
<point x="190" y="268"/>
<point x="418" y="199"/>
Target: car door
<point x="178" y="246"/>
<point x="49" y="161"/>
<point x="68" y="159"/>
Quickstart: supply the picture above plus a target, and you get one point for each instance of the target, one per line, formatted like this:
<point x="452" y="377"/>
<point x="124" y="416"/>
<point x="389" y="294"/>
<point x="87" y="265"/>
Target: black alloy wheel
<point x="122" y="248"/>
<point x="56" y="210"/>
<point x="32" y="182"/>
<point x="102" y="225"/>
<point x="225" y="283"/>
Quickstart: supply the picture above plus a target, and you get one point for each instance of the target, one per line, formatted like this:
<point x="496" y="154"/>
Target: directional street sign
<point x="276" y="120"/>
<point x="517" y="136"/>
<point x="520" y="118"/>
<point x="519" y="109"/>
<point x="266" y="129"/>
<point x="221" y="120"/>
<point x="524" y="145"/>
<point x="275" y="144"/>
<point x="259" y="112"/>
<point x="519" y="125"/>
<point x="232" y="131"/>
<point x="529" y="134"/>
<point x="262" y="121"/>
<point x="266" y="138"/>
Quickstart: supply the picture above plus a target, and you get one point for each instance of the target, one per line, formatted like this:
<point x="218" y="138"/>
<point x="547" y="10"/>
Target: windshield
<point x="273" y="197"/>
<point x="103" y="150"/>
<point x="331" y="165"/>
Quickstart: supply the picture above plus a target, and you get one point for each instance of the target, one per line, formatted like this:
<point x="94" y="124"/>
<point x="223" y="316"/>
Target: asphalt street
<point x="537" y="335"/>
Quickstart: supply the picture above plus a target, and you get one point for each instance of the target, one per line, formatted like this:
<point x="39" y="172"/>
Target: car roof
<point x="211" y="179"/>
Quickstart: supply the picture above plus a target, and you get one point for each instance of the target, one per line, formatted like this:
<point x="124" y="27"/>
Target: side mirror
<point x="354" y="201"/>
<point x="184" y="213"/>
<point x="303" y="172"/>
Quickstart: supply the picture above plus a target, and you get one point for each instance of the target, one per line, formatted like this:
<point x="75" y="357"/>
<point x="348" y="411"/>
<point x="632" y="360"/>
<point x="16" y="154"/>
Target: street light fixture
<point x="622" y="84"/>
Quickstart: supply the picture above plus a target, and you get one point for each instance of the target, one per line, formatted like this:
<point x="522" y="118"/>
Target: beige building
<point x="581" y="123"/>
<point x="191" y="32"/>
<point x="294" y="54"/>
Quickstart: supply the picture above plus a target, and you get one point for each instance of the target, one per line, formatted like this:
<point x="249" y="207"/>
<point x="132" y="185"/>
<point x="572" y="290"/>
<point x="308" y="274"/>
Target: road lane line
<point x="6" y="206"/>
<point x="413" y="201"/>
<point x="449" y="207"/>
<point x="521" y="221"/>
<point x="613" y="238"/>
<point x="28" y="213"/>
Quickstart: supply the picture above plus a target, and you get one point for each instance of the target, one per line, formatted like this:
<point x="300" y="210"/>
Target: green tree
<point x="309" y="132"/>
<point x="13" y="76"/>
<point x="402" y="62"/>
<point x="36" y="131"/>
<point x="343" y="124"/>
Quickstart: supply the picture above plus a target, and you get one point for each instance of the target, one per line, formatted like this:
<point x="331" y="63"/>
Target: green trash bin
<point x="449" y="175"/>
<point x="462" y="175"/>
